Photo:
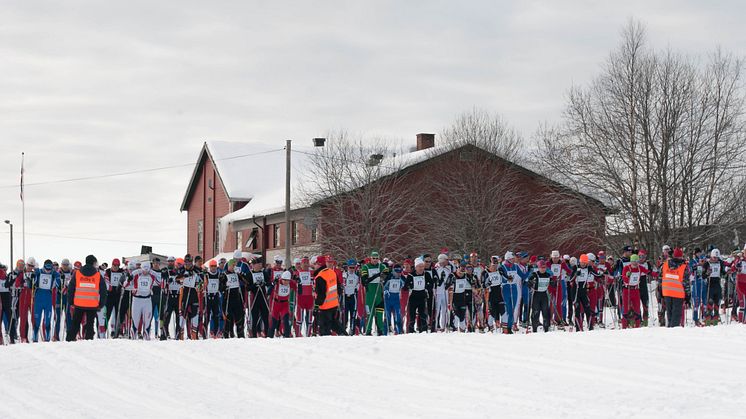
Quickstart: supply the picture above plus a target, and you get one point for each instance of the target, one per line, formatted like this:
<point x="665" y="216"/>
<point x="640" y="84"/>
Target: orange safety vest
<point x="332" y="299"/>
<point x="672" y="284"/>
<point x="87" y="290"/>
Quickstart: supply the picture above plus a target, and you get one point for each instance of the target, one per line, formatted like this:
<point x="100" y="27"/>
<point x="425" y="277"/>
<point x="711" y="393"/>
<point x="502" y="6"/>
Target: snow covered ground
<point x="650" y="373"/>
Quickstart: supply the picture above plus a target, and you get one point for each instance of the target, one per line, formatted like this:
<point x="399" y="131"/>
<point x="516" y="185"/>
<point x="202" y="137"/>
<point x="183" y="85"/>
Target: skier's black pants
<point x="5" y="320"/>
<point x="497" y="305"/>
<point x="172" y="307"/>
<point x="673" y="310"/>
<point x="431" y="308"/>
<point x="540" y="305"/>
<point x="156" y="298"/>
<point x="276" y="323"/>
<point x="581" y="300"/>
<point x="644" y="297"/>
<point x="212" y="312"/>
<point x="234" y="313"/>
<point x="417" y="307"/>
<point x="328" y="323"/>
<point x="123" y="310"/>
<point x="90" y="319"/>
<point x="715" y="294"/>
<point x="350" y="311"/>
<point x="190" y="308"/>
<point x="112" y="302"/>
<point x="259" y="312"/>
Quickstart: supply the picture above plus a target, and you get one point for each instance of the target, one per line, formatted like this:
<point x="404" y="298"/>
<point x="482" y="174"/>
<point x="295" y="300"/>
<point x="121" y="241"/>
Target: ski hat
<point x="574" y="261"/>
<point x="509" y="255"/>
<point x="634" y="258"/>
<point x="678" y="253"/>
<point x="115" y="262"/>
<point x="131" y="266"/>
<point x="237" y="254"/>
<point x="296" y="261"/>
<point x="642" y="252"/>
<point x="555" y="254"/>
<point x="442" y="257"/>
<point x="374" y="254"/>
<point x="171" y="259"/>
<point x="626" y="249"/>
<point x="715" y="253"/>
<point x="591" y="257"/>
<point x="212" y="263"/>
<point x="65" y="262"/>
<point x="31" y="261"/>
<point x="419" y="261"/>
<point x="321" y="260"/>
<point x="278" y="259"/>
<point x="187" y="258"/>
<point x="601" y="254"/>
<point x="287" y="276"/>
<point x="523" y="254"/>
<point x="541" y="264"/>
<point x="407" y="261"/>
<point x="145" y="267"/>
<point x="566" y="257"/>
<point x="666" y="248"/>
<point x="351" y="262"/>
<point x="313" y="260"/>
<point x="584" y="258"/>
<point x="48" y="265"/>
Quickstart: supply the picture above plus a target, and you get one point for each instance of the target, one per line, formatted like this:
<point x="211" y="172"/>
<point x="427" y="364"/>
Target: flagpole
<point x="23" y="211"/>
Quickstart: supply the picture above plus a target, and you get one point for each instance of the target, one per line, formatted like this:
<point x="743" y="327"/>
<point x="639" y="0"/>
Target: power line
<point x="132" y="172"/>
<point x="59" y="236"/>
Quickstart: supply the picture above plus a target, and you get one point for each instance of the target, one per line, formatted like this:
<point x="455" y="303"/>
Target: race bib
<point x="583" y="275"/>
<point x="634" y="278"/>
<point x="190" y="281"/>
<point x="283" y="290"/>
<point x="212" y="285"/>
<point x="116" y="279"/>
<point x="743" y="267"/>
<point x="258" y="277"/>
<point x="394" y="285"/>
<point x="305" y="278"/>
<point x="715" y="270"/>
<point x="556" y="270"/>
<point x="276" y="275"/>
<point x="373" y="272"/>
<point x="173" y="285"/>
<point x="419" y="283"/>
<point x="543" y="284"/>
<point x="45" y="281"/>
<point x="232" y="281"/>
<point x="460" y="285"/>
<point x="493" y="278"/>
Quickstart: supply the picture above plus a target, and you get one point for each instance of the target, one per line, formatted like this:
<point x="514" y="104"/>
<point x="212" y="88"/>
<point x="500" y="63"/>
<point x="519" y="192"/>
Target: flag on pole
<point x="22" y="157"/>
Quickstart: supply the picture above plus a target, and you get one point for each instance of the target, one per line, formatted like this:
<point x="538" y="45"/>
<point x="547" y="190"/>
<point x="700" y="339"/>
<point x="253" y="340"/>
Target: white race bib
<point x="283" y="290"/>
<point x="258" y="277"/>
<point x="232" y="281"/>
<point x="276" y="275"/>
<point x="394" y="285"/>
<point x="556" y="270"/>
<point x="634" y="278"/>
<point x="305" y="277"/>
<point x="143" y="285"/>
<point x="45" y="281"/>
<point x="116" y="279"/>
<point x="190" y="281"/>
<point x="212" y="285"/>
<point x="715" y="270"/>
<point x="460" y="285"/>
<point x="493" y="278"/>
<point x="419" y="283"/>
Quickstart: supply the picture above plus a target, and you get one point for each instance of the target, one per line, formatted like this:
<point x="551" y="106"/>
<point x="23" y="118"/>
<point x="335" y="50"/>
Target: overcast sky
<point x="103" y="87"/>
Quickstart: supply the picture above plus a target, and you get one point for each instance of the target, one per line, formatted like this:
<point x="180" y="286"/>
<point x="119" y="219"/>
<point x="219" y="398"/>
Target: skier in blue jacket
<point x="392" y="298"/>
<point x="45" y="280"/>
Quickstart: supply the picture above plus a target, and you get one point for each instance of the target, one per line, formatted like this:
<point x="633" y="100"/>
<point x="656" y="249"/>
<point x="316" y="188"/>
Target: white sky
<point x="98" y="87"/>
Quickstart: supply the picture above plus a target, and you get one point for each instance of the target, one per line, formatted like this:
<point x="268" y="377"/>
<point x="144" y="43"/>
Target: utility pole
<point x="288" y="226"/>
<point x="11" y="263"/>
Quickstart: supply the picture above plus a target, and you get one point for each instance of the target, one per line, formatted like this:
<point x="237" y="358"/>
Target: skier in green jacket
<point x="373" y="275"/>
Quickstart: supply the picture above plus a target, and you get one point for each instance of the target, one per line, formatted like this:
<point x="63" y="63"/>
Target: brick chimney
<point x="425" y="141"/>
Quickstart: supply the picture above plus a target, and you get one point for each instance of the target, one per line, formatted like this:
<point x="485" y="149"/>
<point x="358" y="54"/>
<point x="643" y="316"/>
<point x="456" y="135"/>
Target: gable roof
<point x="273" y="200"/>
<point x="238" y="166"/>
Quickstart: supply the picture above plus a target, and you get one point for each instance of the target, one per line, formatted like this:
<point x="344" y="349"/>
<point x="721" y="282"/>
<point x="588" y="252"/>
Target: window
<point x="314" y="234"/>
<point x="200" y="236"/>
<point x="295" y="232"/>
<point x="252" y="242"/>
<point x="276" y="236"/>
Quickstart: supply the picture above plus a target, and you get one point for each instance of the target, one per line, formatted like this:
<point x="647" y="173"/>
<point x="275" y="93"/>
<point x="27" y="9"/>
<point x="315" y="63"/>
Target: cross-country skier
<point x="510" y="279"/>
<point x="644" y="285"/>
<point x="493" y="284"/>
<point x="172" y="289"/>
<point x="190" y="279"/>
<point x="114" y="277"/>
<point x="392" y="295"/>
<point x="142" y="305"/>
<point x="582" y="274"/>
<point x="260" y="286"/>
<point x="25" y="285"/>
<point x="459" y="283"/>
<point x="417" y="283"/>
<point x="46" y="282"/>
<point x="714" y="269"/>
<point x="5" y="300"/>
<point x="539" y="282"/>
<point x="281" y="304"/>
<point x="233" y="300"/>
<point x="157" y="296"/>
<point x="631" y="278"/>
<point x="442" y="271"/>
<point x="212" y="280"/>
<point x="560" y="271"/>
<point x="739" y="266"/>
<point x="351" y="286"/>
<point x="697" y="283"/>
<point x="304" y="307"/>
<point x="372" y="275"/>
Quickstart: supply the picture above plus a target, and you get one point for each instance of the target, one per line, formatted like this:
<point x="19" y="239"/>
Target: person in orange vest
<point x="327" y="299"/>
<point x="674" y="286"/>
<point x="87" y="293"/>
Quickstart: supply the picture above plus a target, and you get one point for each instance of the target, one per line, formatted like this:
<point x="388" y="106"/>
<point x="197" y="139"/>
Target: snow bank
<point x="650" y="372"/>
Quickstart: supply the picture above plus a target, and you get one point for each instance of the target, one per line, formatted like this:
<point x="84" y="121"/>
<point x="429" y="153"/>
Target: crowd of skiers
<point x="185" y="298"/>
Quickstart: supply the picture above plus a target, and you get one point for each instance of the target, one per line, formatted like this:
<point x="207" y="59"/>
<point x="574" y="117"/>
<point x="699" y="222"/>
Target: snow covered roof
<point x="243" y="168"/>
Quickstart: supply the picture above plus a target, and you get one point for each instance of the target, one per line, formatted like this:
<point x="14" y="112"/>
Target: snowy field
<point x="646" y="373"/>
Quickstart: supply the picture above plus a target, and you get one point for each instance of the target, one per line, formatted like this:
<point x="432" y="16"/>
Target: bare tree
<point x="487" y="131"/>
<point x="658" y="136"/>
